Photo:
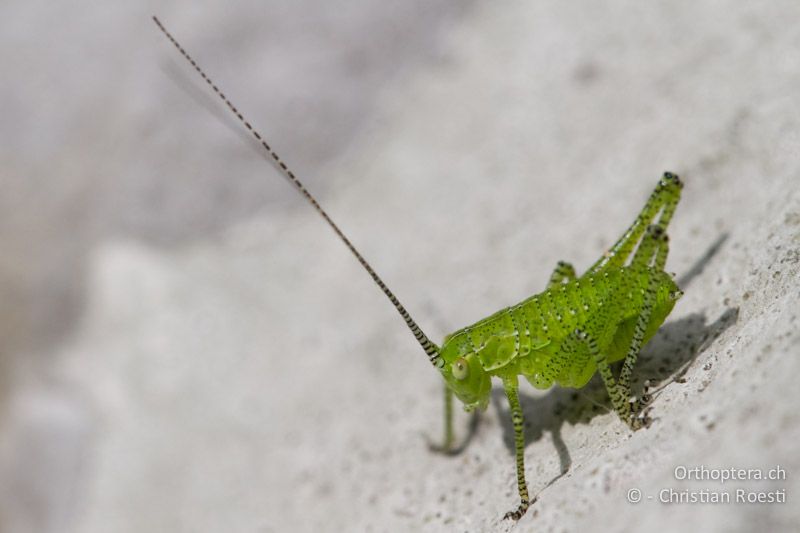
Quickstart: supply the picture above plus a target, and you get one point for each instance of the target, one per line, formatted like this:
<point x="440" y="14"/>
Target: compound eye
<point x="460" y="369"/>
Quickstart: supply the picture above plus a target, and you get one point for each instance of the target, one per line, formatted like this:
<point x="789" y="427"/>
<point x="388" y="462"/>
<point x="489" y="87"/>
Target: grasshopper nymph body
<point x="577" y="326"/>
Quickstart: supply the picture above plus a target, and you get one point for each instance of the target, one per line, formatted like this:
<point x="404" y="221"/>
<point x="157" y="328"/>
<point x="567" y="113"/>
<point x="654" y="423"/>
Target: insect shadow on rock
<point x="576" y="327"/>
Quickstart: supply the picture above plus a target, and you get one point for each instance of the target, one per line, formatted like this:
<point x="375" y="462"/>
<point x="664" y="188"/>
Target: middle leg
<point x="624" y="384"/>
<point x="618" y="390"/>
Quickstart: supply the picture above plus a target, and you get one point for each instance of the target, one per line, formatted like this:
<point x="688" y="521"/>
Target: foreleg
<point x="510" y="386"/>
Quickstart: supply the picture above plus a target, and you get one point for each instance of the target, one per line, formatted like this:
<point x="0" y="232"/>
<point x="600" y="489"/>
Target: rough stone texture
<point x="186" y="347"/>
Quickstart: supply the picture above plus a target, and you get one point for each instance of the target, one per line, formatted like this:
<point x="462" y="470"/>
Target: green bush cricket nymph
<point x="577" y="326"/>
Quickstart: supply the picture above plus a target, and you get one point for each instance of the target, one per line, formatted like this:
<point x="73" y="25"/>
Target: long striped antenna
<point x="430" y="348"/>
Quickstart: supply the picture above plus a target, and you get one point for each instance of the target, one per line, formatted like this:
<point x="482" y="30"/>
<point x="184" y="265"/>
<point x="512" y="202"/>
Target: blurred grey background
<point x="185" y="347"/>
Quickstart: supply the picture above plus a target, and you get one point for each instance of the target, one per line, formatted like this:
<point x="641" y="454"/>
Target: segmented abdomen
<point x="527" y="338"/>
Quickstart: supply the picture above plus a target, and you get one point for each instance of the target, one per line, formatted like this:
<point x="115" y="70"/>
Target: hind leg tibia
<point x="663" y="201"/>
<point x="652" y="251"/>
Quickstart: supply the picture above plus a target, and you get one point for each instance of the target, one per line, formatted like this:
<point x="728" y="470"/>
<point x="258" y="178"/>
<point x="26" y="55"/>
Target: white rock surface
<point x="188" y="348"/>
